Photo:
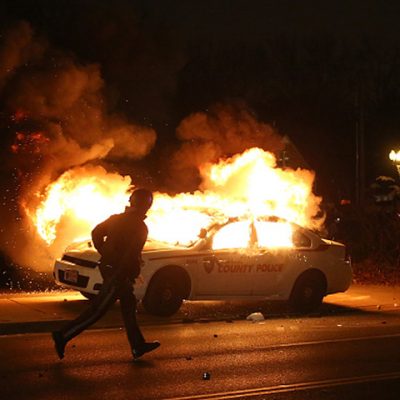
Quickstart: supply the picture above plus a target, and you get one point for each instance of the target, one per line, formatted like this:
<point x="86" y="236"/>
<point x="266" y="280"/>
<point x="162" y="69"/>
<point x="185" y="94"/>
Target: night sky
<point x="311" y="70"/>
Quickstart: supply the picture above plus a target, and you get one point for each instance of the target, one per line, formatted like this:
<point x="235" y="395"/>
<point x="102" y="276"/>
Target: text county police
<point x="247" y="268"/>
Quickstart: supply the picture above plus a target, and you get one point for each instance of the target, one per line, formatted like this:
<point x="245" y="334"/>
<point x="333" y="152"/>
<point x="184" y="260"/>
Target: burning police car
<point x="267" y="258"/>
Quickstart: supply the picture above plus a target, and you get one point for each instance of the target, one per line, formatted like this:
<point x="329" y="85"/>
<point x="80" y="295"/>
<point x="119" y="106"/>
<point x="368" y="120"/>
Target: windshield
<point x="152" y="244"/>
<point x="259" y="234"/>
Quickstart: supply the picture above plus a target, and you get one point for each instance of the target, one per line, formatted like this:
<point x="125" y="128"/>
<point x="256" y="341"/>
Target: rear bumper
<point x="341" y="280"/>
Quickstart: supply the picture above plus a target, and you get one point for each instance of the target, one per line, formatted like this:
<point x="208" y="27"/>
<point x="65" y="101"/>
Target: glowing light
<point x="84" y="197"/>
<point x="247" y="186"/>
<point x="395" y="156"/>
<point x="233" y="236"/>
<point x="274" y="234"/>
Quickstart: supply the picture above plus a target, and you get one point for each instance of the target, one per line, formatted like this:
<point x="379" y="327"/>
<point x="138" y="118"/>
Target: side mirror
<point x="203" y="233"/>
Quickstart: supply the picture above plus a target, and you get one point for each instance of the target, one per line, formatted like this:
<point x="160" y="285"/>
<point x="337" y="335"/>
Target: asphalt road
<point x="341" y="353"/>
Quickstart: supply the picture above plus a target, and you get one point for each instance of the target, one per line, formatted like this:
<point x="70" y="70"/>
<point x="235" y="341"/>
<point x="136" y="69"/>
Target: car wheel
<point x="89" y="296"/>
<point x="308" y="292"/>
<point x="165" y="292"/>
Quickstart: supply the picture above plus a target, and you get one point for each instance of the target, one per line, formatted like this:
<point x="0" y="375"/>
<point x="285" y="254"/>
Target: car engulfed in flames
<point x="257" y="224"/>
<point x="263" y="258"/>
<point x="247" y="185"/>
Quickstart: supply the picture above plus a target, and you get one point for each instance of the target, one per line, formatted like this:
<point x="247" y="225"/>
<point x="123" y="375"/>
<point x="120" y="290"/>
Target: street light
<point x="395" y="158"/>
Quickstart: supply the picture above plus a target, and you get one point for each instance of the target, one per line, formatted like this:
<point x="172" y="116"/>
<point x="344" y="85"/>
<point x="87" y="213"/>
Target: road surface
<point x="344" y="352"/>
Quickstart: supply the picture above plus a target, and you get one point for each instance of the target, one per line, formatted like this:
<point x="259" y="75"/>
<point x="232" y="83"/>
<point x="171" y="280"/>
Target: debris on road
<point x="206" y="376"/>
<point x="255" y="317"/>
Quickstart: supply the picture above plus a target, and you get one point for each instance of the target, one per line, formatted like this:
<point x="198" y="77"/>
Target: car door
<point x="283" y="250"/>
<point x="273" y="241"/>
<point x="268" y="271"/>
<point x="225" y="271"/>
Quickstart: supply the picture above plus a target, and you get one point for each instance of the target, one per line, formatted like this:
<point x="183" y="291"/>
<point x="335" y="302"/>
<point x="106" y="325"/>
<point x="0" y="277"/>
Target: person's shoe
<point x="144" y="348"/>
<point x="59" y="343"/>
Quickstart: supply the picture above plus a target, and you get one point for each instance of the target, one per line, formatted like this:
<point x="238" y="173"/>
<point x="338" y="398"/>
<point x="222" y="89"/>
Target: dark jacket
<point x="120" y="240"/>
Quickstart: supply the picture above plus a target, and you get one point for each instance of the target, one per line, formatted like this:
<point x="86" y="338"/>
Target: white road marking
<point x="270" y="390"/>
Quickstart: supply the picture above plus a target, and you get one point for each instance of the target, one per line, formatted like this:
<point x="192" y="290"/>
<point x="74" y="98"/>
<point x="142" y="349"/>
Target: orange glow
<point x="81" y="198"/>
<point x="247" y="186"/>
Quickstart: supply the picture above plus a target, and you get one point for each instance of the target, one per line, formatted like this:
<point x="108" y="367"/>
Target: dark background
<point x="303" y="67"/>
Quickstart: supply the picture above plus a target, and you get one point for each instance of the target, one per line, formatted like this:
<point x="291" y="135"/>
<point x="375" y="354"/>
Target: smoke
<point x="222" y="131"/>
<point x="57" y="119"/>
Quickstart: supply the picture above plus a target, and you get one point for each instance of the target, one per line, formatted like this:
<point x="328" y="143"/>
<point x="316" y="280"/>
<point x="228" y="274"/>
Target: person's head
<point x="141" y="200"/>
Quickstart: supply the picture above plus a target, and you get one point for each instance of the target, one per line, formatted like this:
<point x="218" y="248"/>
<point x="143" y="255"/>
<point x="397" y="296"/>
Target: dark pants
<point x="113" y="288"/>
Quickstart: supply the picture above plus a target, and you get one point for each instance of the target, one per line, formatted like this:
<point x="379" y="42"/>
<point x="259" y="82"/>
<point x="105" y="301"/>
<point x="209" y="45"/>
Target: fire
<point x="273" y="234"/>
<point x="247" y="233"/>
<point x="247" y="187"/>
<point x="78" y="200"/>
<point x="233" y="236"/>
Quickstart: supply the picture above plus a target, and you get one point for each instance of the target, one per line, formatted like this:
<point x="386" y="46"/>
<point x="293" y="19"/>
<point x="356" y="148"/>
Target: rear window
<point x="300" y="239"/>
<point x="272" y="234"/>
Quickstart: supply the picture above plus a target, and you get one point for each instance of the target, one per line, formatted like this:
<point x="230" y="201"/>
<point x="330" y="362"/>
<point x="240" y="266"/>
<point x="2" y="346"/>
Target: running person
<point x="119" y="240"/>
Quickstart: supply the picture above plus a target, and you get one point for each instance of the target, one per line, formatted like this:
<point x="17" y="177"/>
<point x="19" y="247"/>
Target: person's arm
<point x="99" y="233"/>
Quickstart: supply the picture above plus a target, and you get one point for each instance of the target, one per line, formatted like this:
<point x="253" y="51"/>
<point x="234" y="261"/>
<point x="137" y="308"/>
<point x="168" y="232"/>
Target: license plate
<point x="71" y="276"/>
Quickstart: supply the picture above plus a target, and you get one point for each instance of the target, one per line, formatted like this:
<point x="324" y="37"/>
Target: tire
<point x="308" y="292"/>
<point x="166" y="291"/>
<point x="89" y="296"/>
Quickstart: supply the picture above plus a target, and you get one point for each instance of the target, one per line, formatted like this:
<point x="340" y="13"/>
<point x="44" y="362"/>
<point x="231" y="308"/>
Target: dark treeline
<point x="311" y="89"/>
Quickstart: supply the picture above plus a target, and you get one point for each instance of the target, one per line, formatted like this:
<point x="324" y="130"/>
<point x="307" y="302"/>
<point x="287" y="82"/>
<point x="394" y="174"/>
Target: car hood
<point x="85" y="250"/>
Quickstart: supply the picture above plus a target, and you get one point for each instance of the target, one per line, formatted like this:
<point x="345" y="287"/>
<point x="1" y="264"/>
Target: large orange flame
<point x="247" y="186"/>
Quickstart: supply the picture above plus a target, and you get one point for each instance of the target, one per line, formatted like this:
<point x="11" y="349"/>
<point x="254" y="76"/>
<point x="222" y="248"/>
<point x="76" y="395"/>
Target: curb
<point x="15" y="328"/>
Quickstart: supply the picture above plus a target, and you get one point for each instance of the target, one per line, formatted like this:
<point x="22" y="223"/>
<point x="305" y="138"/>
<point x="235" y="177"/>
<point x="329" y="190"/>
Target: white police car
<point x="217" y="267"/>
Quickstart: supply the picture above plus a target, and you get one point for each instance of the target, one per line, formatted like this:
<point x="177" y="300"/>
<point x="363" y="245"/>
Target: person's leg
<point x="128" y="304"/>
<point x="91" y="315"/>
<point x="128" y="309"/>
<point x="98" y="307"/>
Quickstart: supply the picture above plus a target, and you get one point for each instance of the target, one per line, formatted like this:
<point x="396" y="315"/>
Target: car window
<point x="232" y="236"/>
<point x="274" y="234"/>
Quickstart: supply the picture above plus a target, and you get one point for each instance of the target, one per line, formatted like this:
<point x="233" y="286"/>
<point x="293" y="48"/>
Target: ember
<point x="29" y="143"/>
<point x="19" y="115"/>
